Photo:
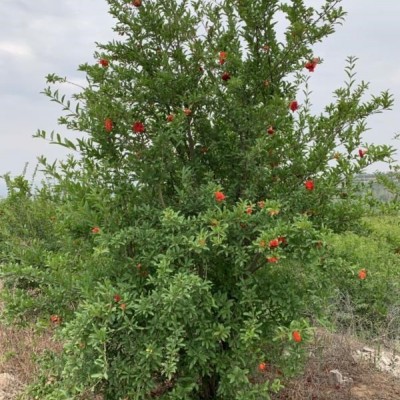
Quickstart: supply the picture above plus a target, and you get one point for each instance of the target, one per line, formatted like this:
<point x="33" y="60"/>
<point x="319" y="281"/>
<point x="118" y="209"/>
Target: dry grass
<point x="333" y="351"/>
<point x="19" y="349"/>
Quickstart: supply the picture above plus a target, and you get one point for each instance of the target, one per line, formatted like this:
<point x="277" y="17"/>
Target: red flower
<point x="311" y="65"/>
<point x="103" y="62"/>
<point x="272" y="259"/>
<point x="294" y="105"/>
<point x="219" y="196"/>
<point x="222" y="57"/>
<point x="138" y="127"/>
<point x="95" y="230"/>
<point x="362" y="152"/>
<point x="122" y="306"/>
<point x="309" y="184"/>
<point x="137" y="3"/>
<point x="271" y="130"/>
<point x="170" y="117"/>
<point x="117" y="298"/>
<point x="362" y="274"/>
<point x="187" y="111"/>
<point x="262" y="366"/>
<point x="282" y="239"/>
<point x="55" y="319"/>
<point x="249" y="210"/>
<point x="273" y="243"/>
<point x="296" y="336"/>
<point x="266" y="48"/>
<point x="108" y="125"/>
<point x="225" y="76"/>
<point x="261" y="204"/>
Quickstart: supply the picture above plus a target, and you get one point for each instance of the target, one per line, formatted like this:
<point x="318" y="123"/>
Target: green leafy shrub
<point x="190" y="231"/>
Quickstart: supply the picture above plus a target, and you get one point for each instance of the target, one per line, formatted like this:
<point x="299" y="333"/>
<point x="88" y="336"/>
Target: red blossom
<point x="309" y="184"/>
<point x="138" y="127"/>
<point x="55" y="319"/>
<point x="170" y="117"/>
<point x="104" y="63"/>
<point x="311" y="65"/>
<point x="95" y="230"/>
<point x="271" y="130"/>
<point x="117" y="298"/>
<point x="219" y="196"/>
<point x="362" y="274"/>
<point x="273" y="243"/>
<point x="272" y="260"/>
<point x="262" y="366"/>
<point x="137" y="3"/>
<point x="222" y="57"/>
<point x="261" y="204"/>
<point x="108" y="125"/>
<point x="296" y="336"/>
<point x="362" y="152"/>
<point x="294" y="105"/>
<point x="122" y="306"/>
<point x="225" y="76"/>
<point x="249" y="210"/>
<point x="282" y="239"/>
<point x="187" y="111"/>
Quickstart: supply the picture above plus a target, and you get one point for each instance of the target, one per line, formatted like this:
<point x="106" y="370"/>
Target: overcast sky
<point x="45" y="36"/>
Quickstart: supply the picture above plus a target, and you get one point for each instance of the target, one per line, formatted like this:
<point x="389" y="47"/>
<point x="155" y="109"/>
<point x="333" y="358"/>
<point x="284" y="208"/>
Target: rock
<point x="337" y="379"/>
<point x="368" y="350"/>
<point x="383" y="360"/>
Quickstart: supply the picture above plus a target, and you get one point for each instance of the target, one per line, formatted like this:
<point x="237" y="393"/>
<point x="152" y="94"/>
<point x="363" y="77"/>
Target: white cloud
<point x="15" y="49"/>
